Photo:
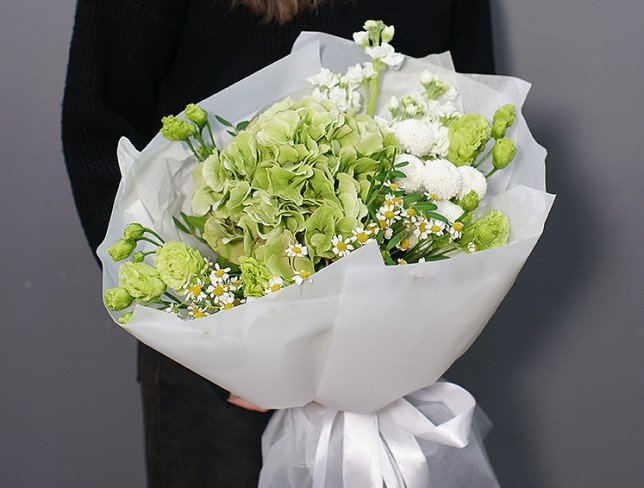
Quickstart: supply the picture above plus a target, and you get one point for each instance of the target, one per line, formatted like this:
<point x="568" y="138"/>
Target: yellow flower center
<point x="195" y="290"/>
<point x="341" y="246"/>
<point x="435" y="228"/>
<point x="394" y="186"/>
<point x="422" y="227"/>
<point x="304" y="275"/>
<point x="434" y="196"/>
<point x="218" y="291"/>
<point x="458" y="226"/>
<point x="404" y="244"/>
<point x="228" y="306"/>
<point x="382" y="224"/>
<point x="275" y="287"/>
<point x="397" y="200"/>
<point x="411" y="212"/>
<point x="389" y="214"/>
<point x="402" y="261"/>
<point x="198" y="313"/>
<point x="296" y="250"/>
<point x="362" y="237"/>
<point x="219" y="273"/>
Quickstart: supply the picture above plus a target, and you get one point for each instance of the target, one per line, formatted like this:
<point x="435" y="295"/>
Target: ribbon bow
<point x="383" y="448"/>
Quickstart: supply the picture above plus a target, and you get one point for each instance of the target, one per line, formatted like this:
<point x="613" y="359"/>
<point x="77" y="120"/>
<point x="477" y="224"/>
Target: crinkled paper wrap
<point x="360" y="334"/>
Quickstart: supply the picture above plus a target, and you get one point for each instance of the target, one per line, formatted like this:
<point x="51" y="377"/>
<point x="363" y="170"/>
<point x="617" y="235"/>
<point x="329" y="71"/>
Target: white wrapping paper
<point x="360" y="335"/>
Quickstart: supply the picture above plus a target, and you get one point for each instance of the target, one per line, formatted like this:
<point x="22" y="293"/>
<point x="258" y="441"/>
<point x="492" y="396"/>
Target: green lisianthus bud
<point x="470" y="202"/>
<point x="468" y="135"/>
<point x="121" y="249"/>
<point x="196" y="114"/>
<point x="133" y="232"/>
<point x="503" y="118"/>
<point x="489" y="231"/>
<point x="503" y="152"/>
<point x="125" y="318"/>
<point x="254" y="276"/>
<point x="138" y="257"/>
<point x="178" y="264"/>
<point x="117" y="298"/>
<point x="176" y="129"/>
<point x="141" y="281"/>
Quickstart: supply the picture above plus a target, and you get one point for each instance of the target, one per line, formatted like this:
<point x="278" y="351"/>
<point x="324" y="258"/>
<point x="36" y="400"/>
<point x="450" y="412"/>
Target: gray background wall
<point x="559" y="368"/>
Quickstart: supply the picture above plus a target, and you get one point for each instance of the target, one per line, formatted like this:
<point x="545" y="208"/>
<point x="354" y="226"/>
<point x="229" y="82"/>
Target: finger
<point x="240" y="402"/>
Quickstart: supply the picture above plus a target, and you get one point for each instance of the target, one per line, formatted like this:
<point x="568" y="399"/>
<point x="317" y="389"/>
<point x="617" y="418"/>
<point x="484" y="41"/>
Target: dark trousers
<point x="193" y="438"/>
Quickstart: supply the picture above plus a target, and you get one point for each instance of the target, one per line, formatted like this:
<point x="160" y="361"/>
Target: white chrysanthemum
<point x="473" y="179"/>
<point x="414" y="172"/>
<point x="415" y="137"/>
<point x="387" y="54"/>
<point x="449" y="210"/>
<point x="441" y="179"/>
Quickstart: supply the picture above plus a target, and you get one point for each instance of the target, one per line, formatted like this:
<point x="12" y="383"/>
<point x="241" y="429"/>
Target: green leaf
<point x="180" y="226"/>
<point x="411" y="198"/>
<point x="434" y="215"/>
<point x="223" y="121"/>
<point x="402" y="164"/>
<point x="397" y="174"/>
<point x="425" y="207"/>
<point x="196" y="221"/>
<point x="242" y="125"/>
<point x="394" y="240"/>
<point x="231" y="133"/>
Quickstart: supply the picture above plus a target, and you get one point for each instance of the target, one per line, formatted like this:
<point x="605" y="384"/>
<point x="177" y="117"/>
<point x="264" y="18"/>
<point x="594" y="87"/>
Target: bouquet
<point x="326" y="237"/>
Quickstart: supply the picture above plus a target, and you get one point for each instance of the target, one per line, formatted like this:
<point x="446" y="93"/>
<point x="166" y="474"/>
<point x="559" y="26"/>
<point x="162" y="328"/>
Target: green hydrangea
<point x="178" y="264"/>
<point x="254" y="276"/>
<point x="273" y="179"/>
<point x="503" y="152"/>
<point x="468" y="135"/>
<point x="141" y="281"/>
<point x="503" y="118"/>
<point x="489" y="231"/>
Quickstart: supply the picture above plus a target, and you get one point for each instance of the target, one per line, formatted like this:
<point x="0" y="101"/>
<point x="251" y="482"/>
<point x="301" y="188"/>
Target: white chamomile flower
<point x="208" y="262"/>
<point x="361" y="236"/>
<point x="471" y="247"/>
<point x="389" y="233"/>
<point x="415" y="137"/>
<point x="386" y="54"/>
<point x="296" y="251"/>
<point x="472" y="179"/>
<point x="194" y="292"/>
<point x="449" y="210"/>
<point x="455" y="230"/>
<point x="441" y="179"/>
<point x="227" y="301"/>
<point x="402" y="261"/>
<point x="421" y="229"/>
<point x="436" y="227"/>
<point x="216" y="290"/>
<point x="392" y="200"/>
<point x="389" y="214"/>
<point x="274" y="284"/>
<point x="234" y="283"/>
<point x="341" y="246"/>
<point x="407" y="243"/>
<point x="391" y="186"/>
<point x="421" y="260"/>
<point x="361" y="38"/>
<point x="301" y="276"/>
<point x="196" y="312"/>
<point x="219" y="274"/>
<point x="172" y="308"/>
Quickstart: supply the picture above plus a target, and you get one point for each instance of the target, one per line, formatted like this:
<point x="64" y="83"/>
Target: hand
<point x="240" y="402"/>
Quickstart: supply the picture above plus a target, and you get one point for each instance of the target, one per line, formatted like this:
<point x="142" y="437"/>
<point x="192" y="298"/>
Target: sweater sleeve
<point x="470" y="38"/>
<point x="119" y="52"/>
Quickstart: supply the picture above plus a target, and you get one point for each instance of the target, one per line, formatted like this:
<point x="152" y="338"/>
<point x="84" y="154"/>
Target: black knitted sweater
<point x="133" y="61"/>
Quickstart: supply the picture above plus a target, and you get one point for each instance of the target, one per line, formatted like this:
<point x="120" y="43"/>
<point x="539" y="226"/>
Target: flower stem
<point x="147" y="239"/>
<point x="212" y="138"/>
<point x="172" y="297"/>
<point x="494" y="170"/>
<point x="145" y="229"/>
<point x="193" y="149"/>
<point x="480" y="161"/>
<point x="373" y="96"/>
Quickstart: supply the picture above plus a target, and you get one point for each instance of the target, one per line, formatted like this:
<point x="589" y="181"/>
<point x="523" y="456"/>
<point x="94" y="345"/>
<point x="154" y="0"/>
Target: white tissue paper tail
<point x="359" y="335"/>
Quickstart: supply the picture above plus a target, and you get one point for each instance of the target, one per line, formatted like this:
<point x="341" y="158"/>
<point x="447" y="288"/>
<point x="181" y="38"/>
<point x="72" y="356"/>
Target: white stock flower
<point x="473" y="179"/>
<point x="449" y="210"/>
<point x="324" y="79"/>
<point x="441" y="179"/>
<point x="355" y="75"/>
<point x="414" y="172"/>
<point x="387" y="54"/>
<point x="388" y="33"/>
<point x="368" y="72"/>
<point x="361" y="38"/>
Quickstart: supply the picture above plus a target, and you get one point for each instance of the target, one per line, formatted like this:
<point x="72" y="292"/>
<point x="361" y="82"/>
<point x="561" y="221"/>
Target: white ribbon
<point x="383" y="447"/>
